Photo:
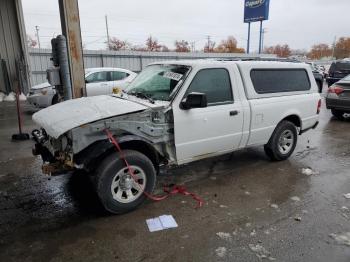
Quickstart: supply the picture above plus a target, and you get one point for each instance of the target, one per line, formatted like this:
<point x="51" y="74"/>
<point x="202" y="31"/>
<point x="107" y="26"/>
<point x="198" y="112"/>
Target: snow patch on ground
<point x="261" y="252"/>
<point x="341" y="239"/>
<point x="22" y="97"/>
<point x="295" y="198"/>
<point x="253" y="233"/>
<point x="275" y="206"/>
<point x="347" y="196"/>
<point x="10" y="97"/>
<point x="221" y="251"/>
<point x="344" y="208"/>
<point x="308" y="171"/>
<point x="224" y="236"/>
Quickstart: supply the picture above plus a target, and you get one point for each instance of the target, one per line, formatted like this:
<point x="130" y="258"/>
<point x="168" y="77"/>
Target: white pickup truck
<point x="174" y="113"/>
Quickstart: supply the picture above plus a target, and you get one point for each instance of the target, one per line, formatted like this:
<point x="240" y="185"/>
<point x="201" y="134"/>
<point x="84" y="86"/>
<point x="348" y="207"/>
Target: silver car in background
<point x="99" y="81"/>
<point x="338" y="97"/>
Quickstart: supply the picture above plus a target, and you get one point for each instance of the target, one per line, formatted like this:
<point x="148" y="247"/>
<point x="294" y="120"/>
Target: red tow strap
<point x="168" y="190"/>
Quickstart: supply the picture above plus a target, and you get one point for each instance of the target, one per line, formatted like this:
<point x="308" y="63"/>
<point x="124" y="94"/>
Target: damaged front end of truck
<point x="66" y="143"/>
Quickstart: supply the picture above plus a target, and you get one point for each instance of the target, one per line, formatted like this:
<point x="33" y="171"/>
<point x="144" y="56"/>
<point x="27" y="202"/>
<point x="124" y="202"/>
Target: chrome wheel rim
<point x="286" y="142"/>
<point x="124" y="188"/>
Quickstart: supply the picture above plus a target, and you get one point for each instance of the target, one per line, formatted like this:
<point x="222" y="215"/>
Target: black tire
<point x="273" y="149"/>
<point x="320" y="86"/>
<point x="54" y="100"/>
<point x="338" y="114"/>
<point x="108" y="169"/>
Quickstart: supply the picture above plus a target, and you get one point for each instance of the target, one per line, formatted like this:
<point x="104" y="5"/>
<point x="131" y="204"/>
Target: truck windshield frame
<point x="159" y="81"/>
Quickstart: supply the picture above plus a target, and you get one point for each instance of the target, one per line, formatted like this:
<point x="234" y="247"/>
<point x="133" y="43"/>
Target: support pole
<point x="260" y="37"/>
<point x="70" y="23"/>
<point x="37" y="35"/>
<point x="262" y="40"/>
<point x="248" y="41"/>
<point x="107" y="30"/>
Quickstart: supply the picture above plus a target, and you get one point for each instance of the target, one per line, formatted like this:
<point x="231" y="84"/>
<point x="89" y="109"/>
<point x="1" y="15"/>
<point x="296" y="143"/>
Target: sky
<point x="299" y="23"/>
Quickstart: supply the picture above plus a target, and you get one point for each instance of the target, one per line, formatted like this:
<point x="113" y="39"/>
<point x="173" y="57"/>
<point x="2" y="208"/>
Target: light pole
<point x="37" y="35"/>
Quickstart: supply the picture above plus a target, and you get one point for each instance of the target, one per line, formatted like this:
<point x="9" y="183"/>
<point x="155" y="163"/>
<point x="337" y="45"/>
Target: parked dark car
<point x="338" y="70"/>
<point x="319" y="80"/>
<point x="318" y="77"/>
<point x="338" y="97"/>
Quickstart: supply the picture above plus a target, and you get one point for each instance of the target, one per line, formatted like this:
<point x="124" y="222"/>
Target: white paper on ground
<point x="161" y="222"/>
<point x="154" y="224"/>
<point x="168" y="221"/>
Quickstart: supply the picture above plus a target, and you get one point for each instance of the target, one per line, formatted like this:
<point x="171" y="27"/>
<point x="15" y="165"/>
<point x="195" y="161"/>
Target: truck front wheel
<point x="116" y="188"/>
<point x="282" y="142"/>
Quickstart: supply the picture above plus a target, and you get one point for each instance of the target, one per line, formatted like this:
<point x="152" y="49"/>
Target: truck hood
<point x="62" y="117"/>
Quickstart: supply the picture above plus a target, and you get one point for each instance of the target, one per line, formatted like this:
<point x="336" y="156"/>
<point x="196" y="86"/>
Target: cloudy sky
<point x="299" y="23"/>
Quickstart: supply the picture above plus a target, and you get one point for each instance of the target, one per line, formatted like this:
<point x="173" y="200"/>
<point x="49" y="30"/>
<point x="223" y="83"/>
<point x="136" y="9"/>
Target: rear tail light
<point x="335" y="90"/>
<point x="319" y="104"/>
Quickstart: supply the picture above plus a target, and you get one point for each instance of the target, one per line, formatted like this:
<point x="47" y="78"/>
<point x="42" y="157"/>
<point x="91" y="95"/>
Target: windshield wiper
<point x="142" y="95"/>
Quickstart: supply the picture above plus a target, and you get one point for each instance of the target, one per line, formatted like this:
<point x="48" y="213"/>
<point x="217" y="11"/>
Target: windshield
<point x="343" y="66"/>
<point x="158" y="82"/>
<point x="339" y="66"/>
<point x="347" y="78"/>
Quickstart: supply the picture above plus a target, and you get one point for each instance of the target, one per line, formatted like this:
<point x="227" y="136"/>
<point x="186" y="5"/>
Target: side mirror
<point x="86" y="81"/>
<point x="194" y="100"/>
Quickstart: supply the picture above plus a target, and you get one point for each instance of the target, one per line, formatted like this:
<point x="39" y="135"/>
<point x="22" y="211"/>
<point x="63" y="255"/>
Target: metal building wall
<point x="12" y="38"/>
<point x="132" y="60"/>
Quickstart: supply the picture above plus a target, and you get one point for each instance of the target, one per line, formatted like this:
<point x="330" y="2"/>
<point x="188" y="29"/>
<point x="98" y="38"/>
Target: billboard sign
<point x="256" y="10"/>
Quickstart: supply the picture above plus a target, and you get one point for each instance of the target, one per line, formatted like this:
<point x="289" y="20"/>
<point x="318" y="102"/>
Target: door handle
<point x="234" y="113"/>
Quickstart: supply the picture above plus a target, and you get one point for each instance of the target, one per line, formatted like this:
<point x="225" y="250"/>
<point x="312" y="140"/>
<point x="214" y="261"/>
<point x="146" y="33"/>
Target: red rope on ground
<point x="168" y="190"/>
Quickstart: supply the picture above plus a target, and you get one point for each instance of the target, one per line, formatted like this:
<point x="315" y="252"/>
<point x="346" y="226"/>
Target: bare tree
<point x="117" y="44"/>
<point x="164" y="48"/>
<point x="209" y="47"/>
<point x="279" y="50"/>
<point x="229" y="46"/>
<point x="342" y="48"/>
<point x="182" y="46"/>
<point x="152" y="44"/>
<point x="31" y="42"/>
<point x="320" y="50"/>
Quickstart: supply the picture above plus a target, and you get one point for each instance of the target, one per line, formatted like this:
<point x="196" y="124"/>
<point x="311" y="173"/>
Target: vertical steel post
<point x="262" y="40"/>
<point x="70" y="23"/>
<point x="64" y="67"/>
<point x="107" y="30"/>
<point x="248" y="41"/>
<point x="260" y="37"/>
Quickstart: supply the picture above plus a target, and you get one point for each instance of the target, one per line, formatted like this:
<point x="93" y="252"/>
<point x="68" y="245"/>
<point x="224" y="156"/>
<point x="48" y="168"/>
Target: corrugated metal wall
<point x="11" y="40"/>
<point x="132" y="60"/>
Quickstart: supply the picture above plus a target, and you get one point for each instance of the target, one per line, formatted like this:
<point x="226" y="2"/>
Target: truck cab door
<point x="97" y="83"/>
<point x="211" y="130"/>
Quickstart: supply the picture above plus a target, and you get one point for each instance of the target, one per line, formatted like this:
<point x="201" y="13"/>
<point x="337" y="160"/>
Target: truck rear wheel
<point x="282" y="142"/>
<point x="117" y="190"/>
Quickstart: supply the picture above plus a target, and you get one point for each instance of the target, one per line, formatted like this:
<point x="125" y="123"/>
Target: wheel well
<point x="294" y="119"/>
<point x="92" y="156"/>
<point x="143" y="148"/>
<point x="54" y="99"/>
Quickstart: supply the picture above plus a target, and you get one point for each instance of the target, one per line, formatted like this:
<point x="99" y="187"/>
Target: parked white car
<point x="175" y="113"/>
<point x="99" y="81"/>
